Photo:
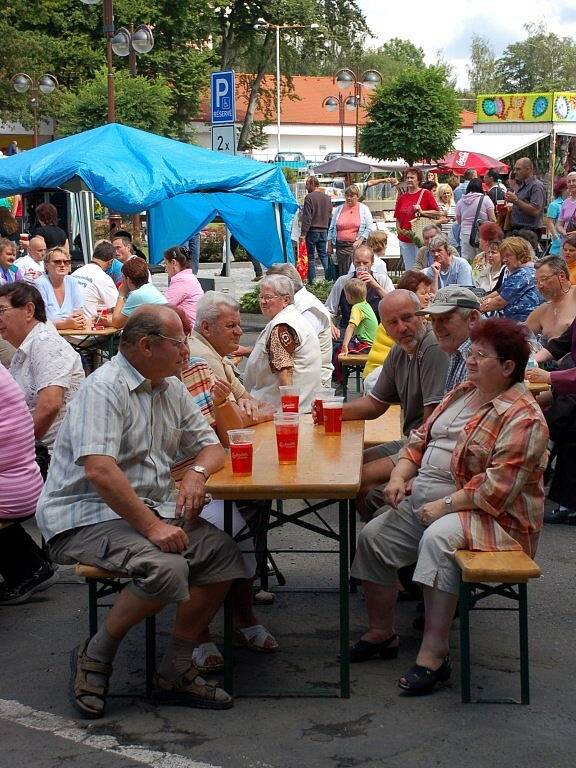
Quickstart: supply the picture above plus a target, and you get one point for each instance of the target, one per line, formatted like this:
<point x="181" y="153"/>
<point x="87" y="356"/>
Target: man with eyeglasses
<point x="108" y="502"/>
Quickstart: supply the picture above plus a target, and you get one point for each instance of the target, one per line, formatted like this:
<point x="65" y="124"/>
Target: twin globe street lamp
<point x="122" y="42"/>
<point x="345" y="79"/>
<point x="45" y="84"/>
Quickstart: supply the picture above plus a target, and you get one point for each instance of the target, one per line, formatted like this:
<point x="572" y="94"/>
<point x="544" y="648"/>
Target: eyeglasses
<point x="3" y="310"/>
<point x="266" y="299"/>
<point x="544" y="279"/>
<point x="60" y="262"/>
<point x="480" y="355"/>
<point x="177" y="342"/>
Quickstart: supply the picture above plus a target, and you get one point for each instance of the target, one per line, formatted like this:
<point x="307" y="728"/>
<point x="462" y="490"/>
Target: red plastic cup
<point x="319" y="397"/>
<point x="100" y="321"/>
<point x="241" y="450"/>
<point x="286" y="425"/>
<point x="333" y="415"/>
<point x="290" y="398"/>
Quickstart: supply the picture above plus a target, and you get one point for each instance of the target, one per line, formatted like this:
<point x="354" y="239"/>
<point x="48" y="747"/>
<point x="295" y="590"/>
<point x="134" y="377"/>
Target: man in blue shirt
<point x="460" y="190"/>
<point x="446" y="268"/>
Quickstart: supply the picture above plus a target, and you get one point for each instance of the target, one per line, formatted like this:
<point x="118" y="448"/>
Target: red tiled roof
<point x="305" y="107"/>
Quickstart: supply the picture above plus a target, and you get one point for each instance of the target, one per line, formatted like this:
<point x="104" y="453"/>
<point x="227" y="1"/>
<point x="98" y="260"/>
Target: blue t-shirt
<point x="459" y="273"/>
<point x="520" y="291"/>
<point x="146" y="294"/>
<point x="115" y="271"/>
<point x="553" y="212"/>
<point x="73" y="297"/>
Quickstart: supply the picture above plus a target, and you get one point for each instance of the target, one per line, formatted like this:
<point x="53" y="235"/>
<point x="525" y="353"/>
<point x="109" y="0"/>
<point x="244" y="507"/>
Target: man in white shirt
<point x="99" y="289"/>
<point x="32" y="265"/>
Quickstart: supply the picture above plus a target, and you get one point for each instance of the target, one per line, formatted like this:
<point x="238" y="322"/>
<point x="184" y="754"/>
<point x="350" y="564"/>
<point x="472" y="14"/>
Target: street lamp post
<point x="331" y="103"/>
<point x="46" y="84"/>
<point x="123" y="42"/>
<point x="263" y="24"/>
<point x="346" y="78"/>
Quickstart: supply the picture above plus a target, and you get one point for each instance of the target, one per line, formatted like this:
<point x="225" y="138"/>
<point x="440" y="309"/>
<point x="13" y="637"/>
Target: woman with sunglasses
<point x="63" y="296"/>
<point x="475" y="469"/>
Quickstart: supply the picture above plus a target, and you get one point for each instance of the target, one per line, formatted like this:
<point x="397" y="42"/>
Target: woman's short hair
<point x="208" y="307"/>
<point x="51" y="251"/>
<point x="352" y="189"/>
<point x="490" y="231"/>
<point x="178" y="254"/>
<point x="377" y="240"/>
<point x="279" y="284"/>
<point x="416" y="171"/>
<point x="184" y="319"/>
<point x="413" y="278"/>
<point x="355" y="290"/>
<point x="556" y="263"/>
<point x="137" y="270"/>
<point x="518" y="247"/>
<point x="570" y="239"/>
<point x="19" y="294"/>
<point x="560" y="185"/>
<point x="508" y="339"/>
<point x="288" y="270"/>
<point x="5" y="243"/>
<point x="46" y="213"/>
<point x="475" y="185"/>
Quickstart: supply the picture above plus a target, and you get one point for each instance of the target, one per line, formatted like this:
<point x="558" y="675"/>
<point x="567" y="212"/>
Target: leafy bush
<point x="321" y="289"/>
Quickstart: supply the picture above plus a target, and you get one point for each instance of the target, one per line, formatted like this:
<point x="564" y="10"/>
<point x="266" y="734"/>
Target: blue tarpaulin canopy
<point x="182" y="187"/>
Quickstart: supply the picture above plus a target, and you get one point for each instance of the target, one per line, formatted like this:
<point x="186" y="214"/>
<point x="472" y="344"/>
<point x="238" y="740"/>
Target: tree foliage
<point x="415" y="117"/>
<point x="481" y="70"/>
<point x="140" y="103"/>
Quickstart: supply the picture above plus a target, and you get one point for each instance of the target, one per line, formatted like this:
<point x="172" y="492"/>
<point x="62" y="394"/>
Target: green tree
<point x="140" y="103"/>
<point x="415" y="117"/>
<point x="482" y="68"/>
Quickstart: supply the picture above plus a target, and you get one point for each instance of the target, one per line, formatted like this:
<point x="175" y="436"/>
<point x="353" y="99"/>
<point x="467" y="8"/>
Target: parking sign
<point x="223" y="99"/>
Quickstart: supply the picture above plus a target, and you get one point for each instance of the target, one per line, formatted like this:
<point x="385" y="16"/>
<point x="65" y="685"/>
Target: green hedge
<point x="249" y="302"/>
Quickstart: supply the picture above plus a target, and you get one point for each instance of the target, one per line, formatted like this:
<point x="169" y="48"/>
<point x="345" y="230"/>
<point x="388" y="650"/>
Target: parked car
<point x="334" y="155"/>
<point x="294" y="160"/>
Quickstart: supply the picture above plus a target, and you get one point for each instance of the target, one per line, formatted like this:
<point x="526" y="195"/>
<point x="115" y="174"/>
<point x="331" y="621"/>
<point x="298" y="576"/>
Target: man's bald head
<point x="149" y="320"/>
<point x="37" y="248"/>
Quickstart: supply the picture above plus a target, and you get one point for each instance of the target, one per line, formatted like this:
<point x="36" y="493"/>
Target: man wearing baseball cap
<point x="451" y="312"/>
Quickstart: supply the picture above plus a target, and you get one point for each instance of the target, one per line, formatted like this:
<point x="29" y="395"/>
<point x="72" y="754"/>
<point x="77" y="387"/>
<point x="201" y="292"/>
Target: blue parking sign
<point x="223" y="101"/>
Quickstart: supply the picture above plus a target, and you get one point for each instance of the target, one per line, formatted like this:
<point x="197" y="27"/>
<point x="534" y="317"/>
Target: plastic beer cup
<point x="319" y="397"/>
<point x="241" y="450"/>
<point x="286" y="426"/>
<point x="333" y="415"/>
<point x="290" y="398"/>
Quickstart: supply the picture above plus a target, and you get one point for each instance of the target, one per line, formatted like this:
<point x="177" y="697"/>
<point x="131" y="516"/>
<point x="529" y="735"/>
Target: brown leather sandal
<point x="80" y="666"/>
<point x="191" y="690"/>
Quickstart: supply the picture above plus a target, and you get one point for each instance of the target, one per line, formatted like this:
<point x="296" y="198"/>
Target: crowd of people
<point x="452" y="343"/>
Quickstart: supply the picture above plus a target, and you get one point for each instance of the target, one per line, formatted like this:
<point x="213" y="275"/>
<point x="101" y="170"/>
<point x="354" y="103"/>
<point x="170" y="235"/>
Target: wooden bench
<point x="102" y="584"/>
<point x="485" y="574"/>
<point x="352" y="363"/>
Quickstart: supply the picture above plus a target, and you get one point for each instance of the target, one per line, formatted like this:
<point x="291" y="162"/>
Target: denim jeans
<point x="194" y="248"/>
<point x="316" y="243"/>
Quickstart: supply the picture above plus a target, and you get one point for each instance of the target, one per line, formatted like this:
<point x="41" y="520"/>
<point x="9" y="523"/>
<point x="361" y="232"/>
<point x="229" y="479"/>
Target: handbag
<point x="474" y="238"/>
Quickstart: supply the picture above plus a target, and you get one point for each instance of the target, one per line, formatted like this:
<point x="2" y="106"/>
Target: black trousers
<point x="20" y="556"/>
<point x="561" y="420"/>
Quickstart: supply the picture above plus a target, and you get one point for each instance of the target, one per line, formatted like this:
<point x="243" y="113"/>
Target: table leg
<point x="228" y="617"/>
<point x="343" y="513"/>
<point x="352" y="537"/>
<point x="345" y="374"/>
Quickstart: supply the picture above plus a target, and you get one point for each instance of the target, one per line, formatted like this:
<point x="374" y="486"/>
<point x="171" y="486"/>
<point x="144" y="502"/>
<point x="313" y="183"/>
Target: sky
<point x="448" y="26"/>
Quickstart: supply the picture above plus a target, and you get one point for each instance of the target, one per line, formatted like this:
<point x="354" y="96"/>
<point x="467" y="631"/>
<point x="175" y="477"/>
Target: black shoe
<point x="560" y="515"/>
<point x="364" y="650"/>
<point x="44" y="577"/>
<point x="419" y="680"/>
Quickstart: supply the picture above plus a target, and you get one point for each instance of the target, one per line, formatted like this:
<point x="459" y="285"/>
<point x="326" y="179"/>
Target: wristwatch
<point x="448" y="503"/>
<point x="202" y="470"/>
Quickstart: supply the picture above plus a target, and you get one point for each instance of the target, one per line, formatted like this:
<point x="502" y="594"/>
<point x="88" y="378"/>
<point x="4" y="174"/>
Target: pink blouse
<point x="184" y="291"/>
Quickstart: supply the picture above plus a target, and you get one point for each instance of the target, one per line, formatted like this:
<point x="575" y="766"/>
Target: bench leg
<point x="358" y="379"/>
<point x="523" y="630"/>
<point x="343" y="518"/>
<point x="345" y="374"/>
<point x="150" y="630"/>
<point x="465" y="642"/>
<point x="228" y="616"/>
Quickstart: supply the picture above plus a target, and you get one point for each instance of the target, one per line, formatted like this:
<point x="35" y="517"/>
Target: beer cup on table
<point x="286" y="426"/>
<point x="100" y="320"/>
<point x="290" y="398"/>
<point x="319" y="396"/>
<point x="241" y="450"/>
<point x="332" y="408"/>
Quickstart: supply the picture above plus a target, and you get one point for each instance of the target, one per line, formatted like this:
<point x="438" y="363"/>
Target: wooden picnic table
<point x="383" y="429"/>
<point x="328" y="470"/>
<point x="100" y="339"/>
